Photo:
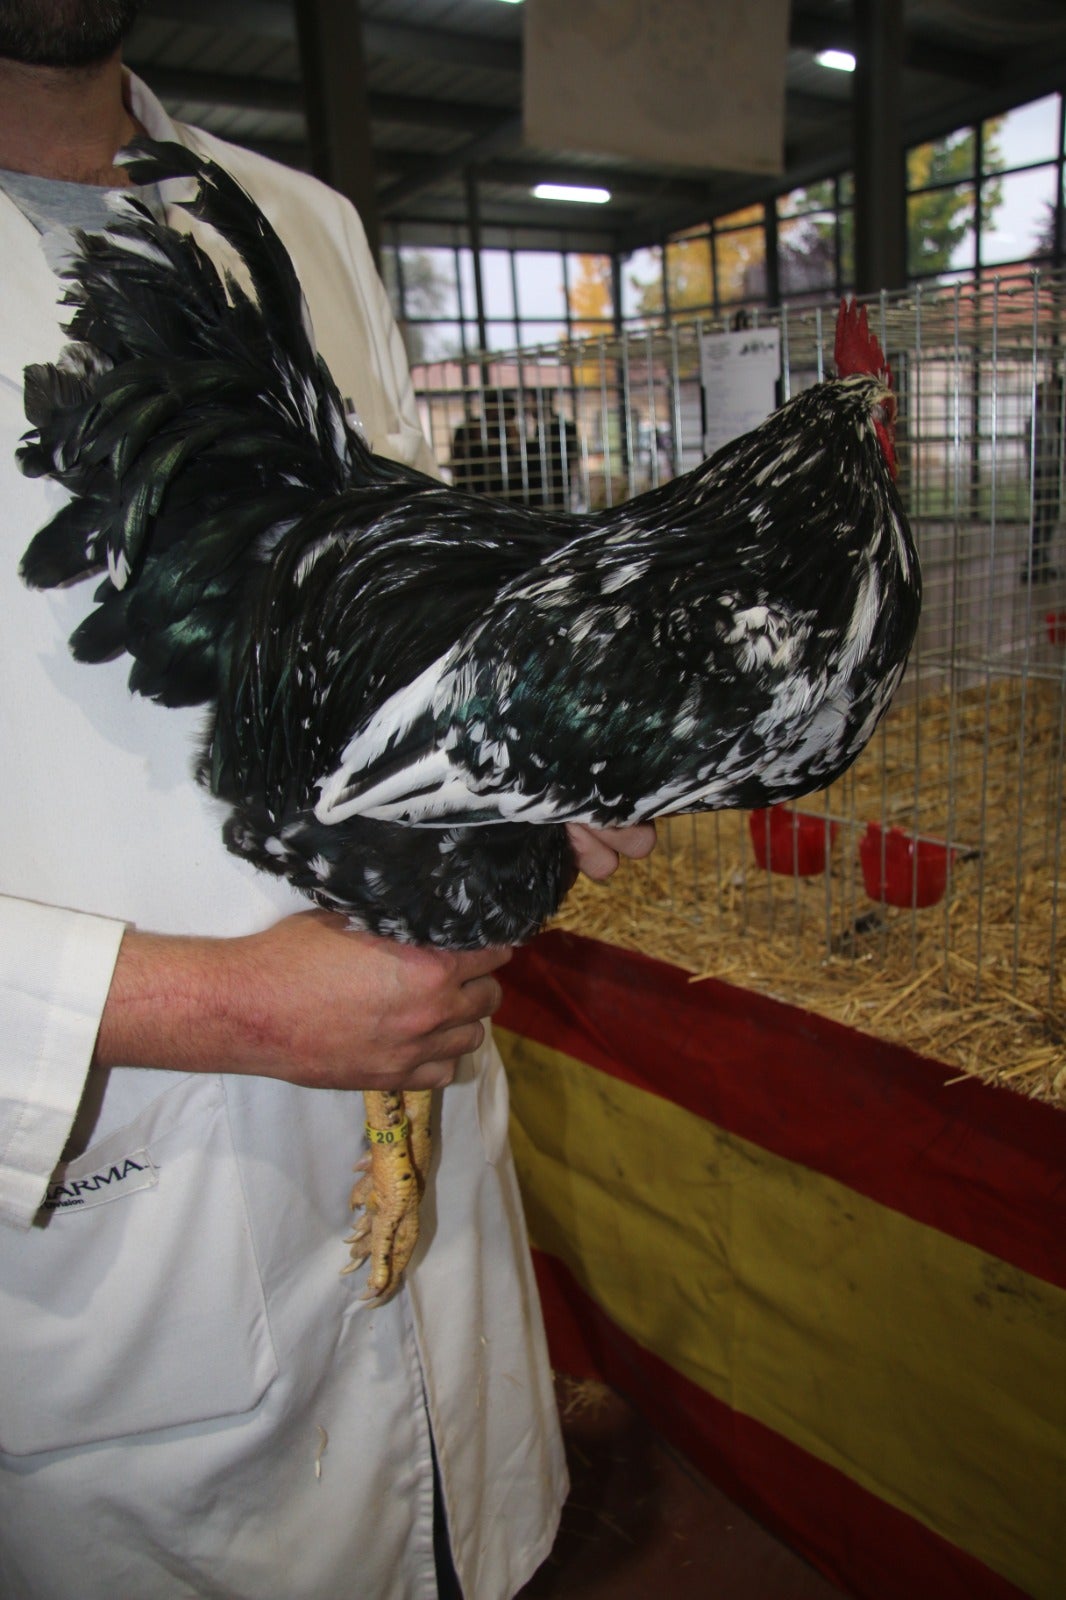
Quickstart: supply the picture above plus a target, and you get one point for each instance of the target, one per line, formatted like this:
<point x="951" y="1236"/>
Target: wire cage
<point x="923" y="896"/>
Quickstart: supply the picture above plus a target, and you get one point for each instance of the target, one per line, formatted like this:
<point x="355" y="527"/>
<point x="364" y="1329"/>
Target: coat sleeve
<point x="55" y="972"/>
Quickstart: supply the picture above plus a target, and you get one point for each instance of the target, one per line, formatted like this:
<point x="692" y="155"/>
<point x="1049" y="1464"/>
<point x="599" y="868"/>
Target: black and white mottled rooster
<point x="412" y="689"/>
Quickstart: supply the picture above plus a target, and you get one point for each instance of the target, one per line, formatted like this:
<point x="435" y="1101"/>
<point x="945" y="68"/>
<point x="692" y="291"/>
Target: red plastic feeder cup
<point x="791" y="841"/>
<point x="1056" y="627"/>
<point x="901" y="870"/>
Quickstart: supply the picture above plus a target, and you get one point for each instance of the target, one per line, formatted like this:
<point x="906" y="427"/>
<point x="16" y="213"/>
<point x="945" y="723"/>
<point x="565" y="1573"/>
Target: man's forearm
<point x="306" y="1001"/>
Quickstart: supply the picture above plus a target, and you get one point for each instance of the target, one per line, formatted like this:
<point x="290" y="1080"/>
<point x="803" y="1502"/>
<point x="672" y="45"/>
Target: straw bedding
<point x="976" y="980"/>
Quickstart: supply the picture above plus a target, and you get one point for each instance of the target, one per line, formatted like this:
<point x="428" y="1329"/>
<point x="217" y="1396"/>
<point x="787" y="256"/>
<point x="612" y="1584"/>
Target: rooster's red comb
<point x="856" y="348"/>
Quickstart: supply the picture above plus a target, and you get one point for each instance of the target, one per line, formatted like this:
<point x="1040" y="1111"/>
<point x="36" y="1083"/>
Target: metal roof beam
<point x="401" y="41"/>
<point x="281" y="95"/>
<point x="219" y="88"/>
<point x="811" y="30"/>
<point x="507" y="133"/>
<point x="289" y="152"/>
<point x="405" y="43"/>
<point x="425" y="232"/>
<point x="336" y="108"/>
<point x="273" y="18"/>
<point x="808" y="30"/>
<point x="454" y="115"/>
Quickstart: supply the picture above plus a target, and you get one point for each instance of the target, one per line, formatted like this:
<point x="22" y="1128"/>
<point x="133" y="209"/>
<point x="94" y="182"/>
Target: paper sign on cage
<point x="684" y="83"/>
<point x="739" y="373"/>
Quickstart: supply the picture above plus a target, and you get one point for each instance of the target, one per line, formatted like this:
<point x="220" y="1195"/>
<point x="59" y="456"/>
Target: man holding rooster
<point x="194" y="1401"/>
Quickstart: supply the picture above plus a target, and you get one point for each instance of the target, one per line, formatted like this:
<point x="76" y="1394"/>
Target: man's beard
<point x="64" y="33"/>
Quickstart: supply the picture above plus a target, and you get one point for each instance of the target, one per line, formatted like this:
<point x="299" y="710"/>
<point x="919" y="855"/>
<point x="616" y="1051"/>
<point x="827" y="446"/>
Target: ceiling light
<point x="566" y="191"/>
<point x="839" y="60"/>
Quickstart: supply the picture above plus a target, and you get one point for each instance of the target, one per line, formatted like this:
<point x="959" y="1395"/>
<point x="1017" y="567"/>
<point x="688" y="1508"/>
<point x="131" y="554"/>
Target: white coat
<point x="193" y="1401"/>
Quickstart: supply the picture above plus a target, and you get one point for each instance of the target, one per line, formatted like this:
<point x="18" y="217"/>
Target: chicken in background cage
<point x="921" y="897"/>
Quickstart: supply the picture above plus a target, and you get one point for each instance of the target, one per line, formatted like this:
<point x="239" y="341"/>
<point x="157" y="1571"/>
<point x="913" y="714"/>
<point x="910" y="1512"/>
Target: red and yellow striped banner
<point x="834" y="1279"/>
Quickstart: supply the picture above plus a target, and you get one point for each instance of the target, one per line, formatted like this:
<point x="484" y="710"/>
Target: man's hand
<point x="596" y="850"/>
<point x="312" y="1003"/>
<point x="306" y="1001"/>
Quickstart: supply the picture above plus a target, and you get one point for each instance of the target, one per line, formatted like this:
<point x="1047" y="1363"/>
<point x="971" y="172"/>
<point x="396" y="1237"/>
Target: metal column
<point x="336" y="104"/>
<point x="880" y="179"/>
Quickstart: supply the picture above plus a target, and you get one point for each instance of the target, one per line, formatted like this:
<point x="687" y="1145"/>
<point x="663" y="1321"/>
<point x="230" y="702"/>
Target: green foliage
<point x="738" y="251"/>
<point x="942" y="214"/>
<point x="591" y="294"/>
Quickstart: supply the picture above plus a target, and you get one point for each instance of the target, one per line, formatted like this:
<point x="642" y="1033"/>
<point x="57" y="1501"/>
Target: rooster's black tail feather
<point x="192" y="420"/>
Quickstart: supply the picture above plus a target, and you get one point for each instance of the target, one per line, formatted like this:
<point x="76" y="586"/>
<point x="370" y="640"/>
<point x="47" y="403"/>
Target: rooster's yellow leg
<point x="418" y="1103"/>
<point x="390" y="1189"/>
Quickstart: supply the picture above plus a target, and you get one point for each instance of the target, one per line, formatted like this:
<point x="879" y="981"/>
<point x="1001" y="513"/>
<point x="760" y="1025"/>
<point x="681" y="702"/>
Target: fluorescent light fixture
<point x="839" y="60"/>
<point x="567" y="191"/>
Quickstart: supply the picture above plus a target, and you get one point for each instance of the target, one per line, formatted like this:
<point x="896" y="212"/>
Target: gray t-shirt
<point x="50" y="203"/>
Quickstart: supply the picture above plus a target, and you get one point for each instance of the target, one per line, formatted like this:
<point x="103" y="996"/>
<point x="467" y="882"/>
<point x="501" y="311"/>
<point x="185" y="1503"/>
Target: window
<point x="541" y="282"/>
<point x="808" y="241"/>
<point x="431" y="341"/>
<point x="429" y="283"/>
<point x="422" y="284"/>
<point x="1020" y="223"/>
<point x="642" y="286"/>
<point x="501" y="336"/>
<point x="1028" y="135"/>
<point x="740" y="256"/>
<point x="1005" y="212"/>
<point x="942" y="160"/>
<point x="989" y="195"/>
<point x="497" y="283"/>
<point x="539" y="333"/>
<point x="590" y="284"/>
<point x="690" y="273"/>
<point x="940" y="230"/>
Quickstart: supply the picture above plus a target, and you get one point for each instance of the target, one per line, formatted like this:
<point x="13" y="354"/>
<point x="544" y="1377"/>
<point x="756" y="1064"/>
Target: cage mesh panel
<point x="968" y="764"/>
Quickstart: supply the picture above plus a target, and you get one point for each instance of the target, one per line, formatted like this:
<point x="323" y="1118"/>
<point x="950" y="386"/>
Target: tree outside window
<point x="942" y="205"/>
<point x="591" y="295"/>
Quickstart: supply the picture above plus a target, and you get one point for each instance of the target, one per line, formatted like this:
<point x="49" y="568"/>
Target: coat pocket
<point x="135" y="1301"/>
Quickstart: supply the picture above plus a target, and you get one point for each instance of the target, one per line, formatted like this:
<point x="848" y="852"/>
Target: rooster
<point x="412" y="689"/>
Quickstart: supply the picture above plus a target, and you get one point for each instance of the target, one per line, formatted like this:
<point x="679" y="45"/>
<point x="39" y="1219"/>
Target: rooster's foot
<point x="390" y="1188"/>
